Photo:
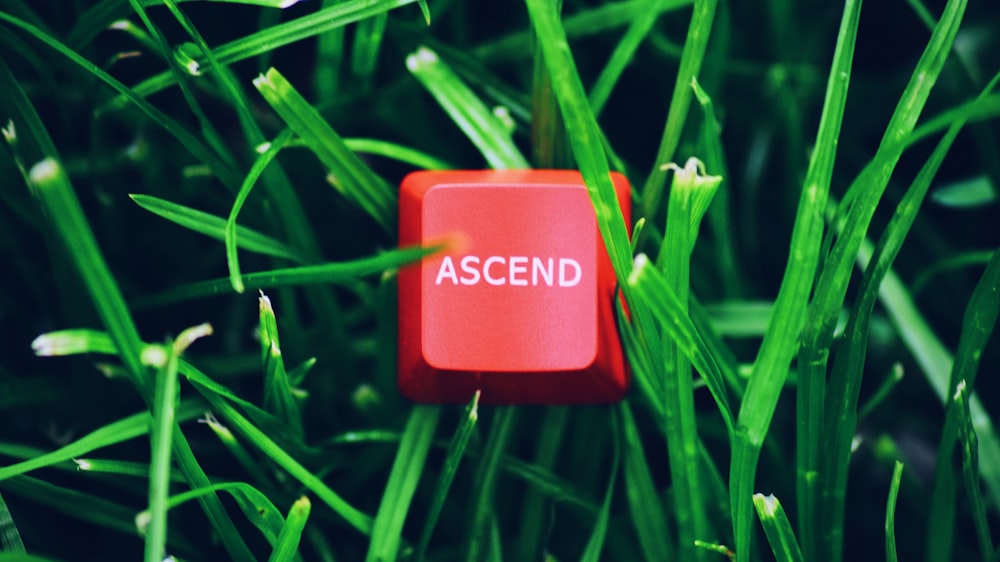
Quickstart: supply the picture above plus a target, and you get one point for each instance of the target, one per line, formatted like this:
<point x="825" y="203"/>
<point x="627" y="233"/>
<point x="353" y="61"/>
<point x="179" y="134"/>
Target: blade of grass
<point x="484" y="79"/>
<point x="883" y="391"/>
<point x="456" y="451"/>
<point x="549" y="143"/>
<point x="398" y="152"/>
<point x="482" y="515"/>
<point x="652" y="290"/>
<point x="592" y="552"/>
<point x="272" y="38"/>
<point x="406" y="469"/>
<point x="690" y="196"/>
<point x="535" y="507"/>
<point x="367" y="43"/>
<point x="231" y="230"/>
<point x="120" y="468"/>
<point x="21" y="557"/>
<point x="253" y="467"/>
<point x="279" y="399"/>
<point x="644" y="501"/>
<point x="890" y="513"/>
<point x="276" y="181"/>
<point x="695" y="44"/>
<point x="53" y="188"/>
<point x="777" y="528"/>
<point x="119" y="431"/>
<point x="710" y="143"/>
<point x="550" y="485"/>
<point x="585" y="137"/>
<point x="587" y="144"/>
<point x="287" y="546"/>
<point x="970" y="471"/>
<point x="84" y="341"/>
<point x="164" y="359"/>
<point x="215" y="227"/>
<point x="330" y="49"/>
<point x="256" y="507"/>
<point x="482" y="127"/>
<point x="781" y="340"/>
<point x="350" y="176"/>
<point x="79" y="505"/>
<point x="10" y="538"/>
<point x="336" y="273"/>
<point x="643" y="18"/>
<point x="977" y="325"/>
<point x="51" y="185"/>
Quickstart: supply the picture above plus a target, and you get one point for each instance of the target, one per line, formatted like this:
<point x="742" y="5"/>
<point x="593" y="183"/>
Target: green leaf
<point x="10" y="538"/>
<point x="338" y="273"/>
<point x="690" y="196"/>
<point x="215" y="227"/>
<point x="471" y="115"/>
<point x="970" y="470"/>
<point x="256" y="507"/>
<point x="231" y="230"/>
<point x="777" y="528"/>
<point x="164" y="359"/>
<point x="582" y="23"/>
<point x="456" y="451"/>
<point x="695" y="44"/>
<point x="643" y="18"/>
<point x="368" y="36"/>
<point x="406" y="470"/>
<point x="482" y="515"/>
<point x="52" y="187"/>
<point x="973" y="192"/>
<point x="652" y="291"/>
<point x="287" y="546"/>
<point x="643" y="498"/>
<point x="890" y="513"/>
<point x="585" y="136"/>
<point x="398" y="152"/>
<point x="592" y="552"/>
<point x="279" y="398"/>
<point x="351" y="177"/>
<point x="122" y="430"/>
<point x="90" y="508"/>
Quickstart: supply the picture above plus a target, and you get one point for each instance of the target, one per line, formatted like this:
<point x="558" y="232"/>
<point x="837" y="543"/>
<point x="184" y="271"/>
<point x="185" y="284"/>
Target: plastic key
<point x="520" y="302"/>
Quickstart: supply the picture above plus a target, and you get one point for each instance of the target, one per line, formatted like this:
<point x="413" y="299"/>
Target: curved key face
<point x="520" y="302"/>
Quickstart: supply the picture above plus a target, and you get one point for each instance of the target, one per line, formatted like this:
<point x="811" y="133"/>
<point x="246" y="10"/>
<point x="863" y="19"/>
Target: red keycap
<point x="520" y="303"/>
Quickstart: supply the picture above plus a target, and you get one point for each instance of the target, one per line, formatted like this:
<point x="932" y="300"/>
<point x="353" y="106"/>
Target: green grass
<point x="812" y="279"/>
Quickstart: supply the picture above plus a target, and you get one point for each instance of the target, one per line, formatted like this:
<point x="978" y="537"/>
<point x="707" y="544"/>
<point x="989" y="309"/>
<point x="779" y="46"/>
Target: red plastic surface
<point x="519" y="305"/>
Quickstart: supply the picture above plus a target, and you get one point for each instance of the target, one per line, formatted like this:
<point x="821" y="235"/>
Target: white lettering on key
<point x="486" y="270"/>
<point x="513" y="271"/>
<point x="563" y="281"/>
<point x="538" y="267"/>
<point x="469" y="264"/>
<point x="447" y="271"/>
